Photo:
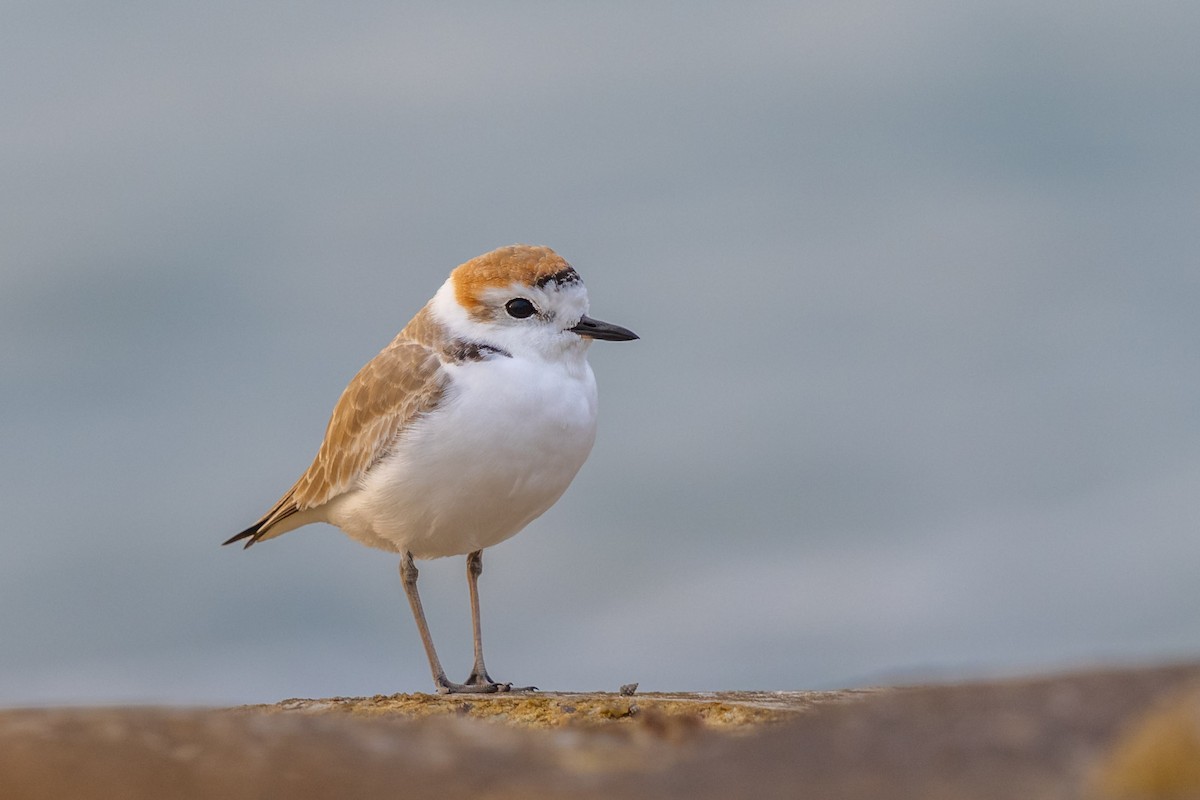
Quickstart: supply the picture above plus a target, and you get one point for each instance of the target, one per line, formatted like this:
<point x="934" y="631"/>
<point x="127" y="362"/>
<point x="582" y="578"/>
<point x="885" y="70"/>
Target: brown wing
<point x="394" y="388"/>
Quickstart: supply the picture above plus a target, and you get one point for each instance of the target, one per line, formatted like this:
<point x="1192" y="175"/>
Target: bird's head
<point x="523" y="299"/>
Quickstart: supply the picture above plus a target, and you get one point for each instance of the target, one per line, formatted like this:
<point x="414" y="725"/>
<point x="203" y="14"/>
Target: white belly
<point x="500" y="450"/>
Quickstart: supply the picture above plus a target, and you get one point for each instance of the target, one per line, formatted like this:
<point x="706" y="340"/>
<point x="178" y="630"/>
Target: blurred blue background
<point x="917" y="393"/>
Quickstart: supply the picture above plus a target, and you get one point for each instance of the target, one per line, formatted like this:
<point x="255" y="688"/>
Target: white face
<point x="521" y="319"/>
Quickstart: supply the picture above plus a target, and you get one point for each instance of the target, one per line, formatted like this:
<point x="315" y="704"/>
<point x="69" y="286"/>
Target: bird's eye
<point x="520" y="308"/>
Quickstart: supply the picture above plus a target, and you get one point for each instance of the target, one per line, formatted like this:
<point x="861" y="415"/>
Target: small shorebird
<point x="463" y="430"/>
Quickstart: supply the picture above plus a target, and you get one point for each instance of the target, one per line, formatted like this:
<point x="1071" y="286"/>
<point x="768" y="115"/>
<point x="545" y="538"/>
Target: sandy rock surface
<point x="1105" y="734"/>
<point x="727" y="711"/>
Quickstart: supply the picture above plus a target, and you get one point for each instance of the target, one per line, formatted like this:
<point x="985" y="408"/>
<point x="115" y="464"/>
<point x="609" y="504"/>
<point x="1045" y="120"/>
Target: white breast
<point x="503" y="446"/>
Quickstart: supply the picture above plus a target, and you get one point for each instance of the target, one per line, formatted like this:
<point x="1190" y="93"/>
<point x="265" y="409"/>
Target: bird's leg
<point x="479" y="675"/>
<point x="408" y="575"/>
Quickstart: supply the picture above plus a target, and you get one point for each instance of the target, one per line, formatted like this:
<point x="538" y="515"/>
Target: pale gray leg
<point x="408" y="575"/>
<point x="479" y="675"/>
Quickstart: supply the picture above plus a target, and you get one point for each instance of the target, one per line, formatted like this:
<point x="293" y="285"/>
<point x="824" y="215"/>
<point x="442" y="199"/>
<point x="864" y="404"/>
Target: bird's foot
<point x="445" y="686"/>
<point x="479" y="677"/>
<point x="482" y="682"/>
<point x="521" y="689"/>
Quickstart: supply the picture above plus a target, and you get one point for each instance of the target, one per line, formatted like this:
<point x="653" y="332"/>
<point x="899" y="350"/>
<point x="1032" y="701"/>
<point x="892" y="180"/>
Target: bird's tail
<point x="266" y="528"/>
<point x="252" y="534"/>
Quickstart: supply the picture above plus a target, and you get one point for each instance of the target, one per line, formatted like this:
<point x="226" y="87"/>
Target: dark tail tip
<point x="250" y="535"/>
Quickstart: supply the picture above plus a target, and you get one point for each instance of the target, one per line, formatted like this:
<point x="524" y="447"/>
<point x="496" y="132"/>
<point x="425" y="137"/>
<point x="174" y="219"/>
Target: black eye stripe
<point x="520" y="308"/>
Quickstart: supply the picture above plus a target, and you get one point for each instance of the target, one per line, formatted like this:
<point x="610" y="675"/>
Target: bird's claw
<point x="480" y="683"/>
<point x="450" y="687"/>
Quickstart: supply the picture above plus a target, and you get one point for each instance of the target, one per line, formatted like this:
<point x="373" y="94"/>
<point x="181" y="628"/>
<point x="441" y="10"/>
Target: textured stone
<point x="1023" y="739"/>
<point x="729" y="711"/>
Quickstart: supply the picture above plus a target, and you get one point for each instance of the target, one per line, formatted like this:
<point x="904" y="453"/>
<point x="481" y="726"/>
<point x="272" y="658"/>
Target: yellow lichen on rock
<point x="670" y="715"/>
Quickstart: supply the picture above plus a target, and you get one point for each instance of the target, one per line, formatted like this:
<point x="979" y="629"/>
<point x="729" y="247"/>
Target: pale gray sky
<point x="917" y="285"/>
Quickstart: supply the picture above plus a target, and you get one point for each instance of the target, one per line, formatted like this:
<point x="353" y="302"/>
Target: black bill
<point x="595" y="329"/>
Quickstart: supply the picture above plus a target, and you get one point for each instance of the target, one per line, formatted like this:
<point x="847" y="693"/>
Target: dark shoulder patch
<point x="460" y="350"/>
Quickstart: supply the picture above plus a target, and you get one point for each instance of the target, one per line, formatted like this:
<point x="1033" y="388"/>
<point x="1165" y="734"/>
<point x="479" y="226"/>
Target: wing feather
<point x="385" y="396"/>
<point x="392" y="390"/>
